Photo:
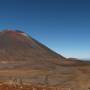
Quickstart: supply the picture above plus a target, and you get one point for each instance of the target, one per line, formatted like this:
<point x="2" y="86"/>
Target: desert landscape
<point x="44" y="44"/>
<point x="26" y="64"/>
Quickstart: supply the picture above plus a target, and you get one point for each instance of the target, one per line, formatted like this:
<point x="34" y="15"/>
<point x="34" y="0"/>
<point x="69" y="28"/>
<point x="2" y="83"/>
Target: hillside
<point x="23" y="58"/>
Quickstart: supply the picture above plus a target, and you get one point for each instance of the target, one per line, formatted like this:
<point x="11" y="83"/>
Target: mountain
<point x="19" y="50"/>
<point x="23" y="57"/>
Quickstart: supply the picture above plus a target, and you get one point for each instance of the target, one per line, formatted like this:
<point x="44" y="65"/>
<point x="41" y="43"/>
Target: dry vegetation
<point x="14" y="86"/>
<point x="27" y="87"/>
<point x="21" y="87"/>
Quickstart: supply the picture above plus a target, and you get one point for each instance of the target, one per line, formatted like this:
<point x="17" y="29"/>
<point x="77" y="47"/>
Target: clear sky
<point x="62" y="25"/>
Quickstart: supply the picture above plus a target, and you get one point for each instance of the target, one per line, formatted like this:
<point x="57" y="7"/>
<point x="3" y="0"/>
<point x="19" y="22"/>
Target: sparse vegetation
<point x="16" y="86"/>
<point x="29" y="87"/>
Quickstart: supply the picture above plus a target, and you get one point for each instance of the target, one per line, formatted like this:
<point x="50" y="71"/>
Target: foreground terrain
<point x="25" y="87"/>
<point x="62" y="78"/>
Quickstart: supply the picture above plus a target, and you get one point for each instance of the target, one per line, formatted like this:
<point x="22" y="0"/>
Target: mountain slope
<point x="17" y="47"/>
<point x="24" y="58"/>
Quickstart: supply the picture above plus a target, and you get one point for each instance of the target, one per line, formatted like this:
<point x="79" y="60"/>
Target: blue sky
<point x="62" y="25"/>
